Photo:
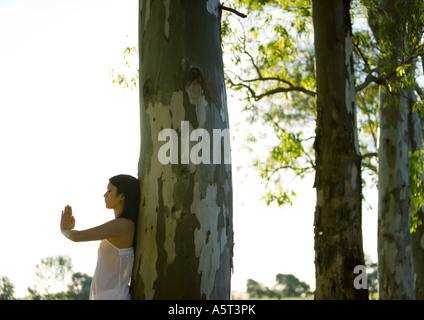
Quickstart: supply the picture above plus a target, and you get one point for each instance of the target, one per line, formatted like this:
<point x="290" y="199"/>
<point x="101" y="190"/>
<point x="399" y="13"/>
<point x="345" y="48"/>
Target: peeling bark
<point x="395" y="266"/>
<point x="184" y="234"/>
<point x="338" y="226"/>
<point x="394" y="242"/>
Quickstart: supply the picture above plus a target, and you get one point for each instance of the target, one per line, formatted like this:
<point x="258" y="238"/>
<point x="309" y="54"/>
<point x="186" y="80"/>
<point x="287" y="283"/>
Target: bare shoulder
<point x="124" y="223"/>
<point x="126" y="229"/>
<point x="123" y="226"/>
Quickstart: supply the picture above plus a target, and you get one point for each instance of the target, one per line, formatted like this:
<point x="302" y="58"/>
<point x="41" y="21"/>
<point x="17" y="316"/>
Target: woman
<point x="116" y="254"/>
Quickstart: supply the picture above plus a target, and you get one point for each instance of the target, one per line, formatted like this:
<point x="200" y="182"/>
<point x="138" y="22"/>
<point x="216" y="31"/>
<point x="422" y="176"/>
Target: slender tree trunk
<point x="338" y="227"/>
<point x="184" y="234"/>
<point x="395" y="268"/>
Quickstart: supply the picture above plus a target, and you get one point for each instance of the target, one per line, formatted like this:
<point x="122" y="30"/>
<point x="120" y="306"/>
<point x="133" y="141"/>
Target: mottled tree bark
<point x="338" y="227"/>
<point x="395" y="267"/>
<point x="184" y="233"/>
<point x="394" y="242"/>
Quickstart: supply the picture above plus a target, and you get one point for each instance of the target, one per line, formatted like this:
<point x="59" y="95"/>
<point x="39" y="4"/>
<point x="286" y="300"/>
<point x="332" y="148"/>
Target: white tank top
<point x="113" y="273"/>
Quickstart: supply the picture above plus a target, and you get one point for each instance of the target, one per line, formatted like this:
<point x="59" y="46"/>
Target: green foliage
<point x="79" y="289"/>
<point x="288" y="154"/>
<point x="55" y="280"/>
<point x="280" y="88"/>
<point x="398" y="32"/>
<point x="128" y="77"/>
<point x="278" y="195"/>
<point x="51" y="272"/>
<point x="273" y="66"/>
<point x="419" y="107"/>
<point x="372" y="276"/>
<point x="365" y="54"/>
<point x="258" y="290"/>
<point x="7" y="289"/>
<point x="287" y="285"/>
<point x="51" y="276"/>
<point x="290" y="286"/>
<point x="416" y="187"/>
<point x="299" y="7"/>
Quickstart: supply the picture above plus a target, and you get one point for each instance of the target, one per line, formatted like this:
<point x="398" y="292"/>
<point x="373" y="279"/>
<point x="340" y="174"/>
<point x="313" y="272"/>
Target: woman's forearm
<point x="70" y="234"/>
<point x="112" y="229"/>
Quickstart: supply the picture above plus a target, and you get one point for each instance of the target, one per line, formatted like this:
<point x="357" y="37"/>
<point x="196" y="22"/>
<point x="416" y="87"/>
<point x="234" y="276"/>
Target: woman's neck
<point x="118" y="211"/>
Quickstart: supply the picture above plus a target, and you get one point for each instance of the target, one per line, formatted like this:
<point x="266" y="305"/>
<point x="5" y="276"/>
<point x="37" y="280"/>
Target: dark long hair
<point x="130" y="187"/>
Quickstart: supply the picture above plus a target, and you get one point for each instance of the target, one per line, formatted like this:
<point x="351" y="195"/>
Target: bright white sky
<point x="65" y="129"/>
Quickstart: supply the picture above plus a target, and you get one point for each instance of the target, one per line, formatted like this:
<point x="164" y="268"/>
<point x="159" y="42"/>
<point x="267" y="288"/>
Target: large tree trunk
<point x="184" y="234"/>
<point x="338" y="227"/>
<point x="395" y="268"/>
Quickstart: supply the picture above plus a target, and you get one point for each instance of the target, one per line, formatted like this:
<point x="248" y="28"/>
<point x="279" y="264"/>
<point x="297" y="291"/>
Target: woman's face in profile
<point x="112" y="199"/>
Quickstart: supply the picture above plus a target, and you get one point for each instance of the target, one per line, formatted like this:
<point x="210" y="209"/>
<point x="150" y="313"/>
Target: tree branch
<point x="270" y="79"/>
<point x="360" y="53"/>
<point x="243" y="83"/>
<point x="370" y="78"/>
<point x="369" y="155"/>
<point x="282" y="90"/>
<point x="221" y="6"/>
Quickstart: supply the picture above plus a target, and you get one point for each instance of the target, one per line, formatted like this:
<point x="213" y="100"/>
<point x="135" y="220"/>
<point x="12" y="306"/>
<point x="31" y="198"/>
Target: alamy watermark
<point x="200" y="152"/>
<point x="361" y="280"/>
